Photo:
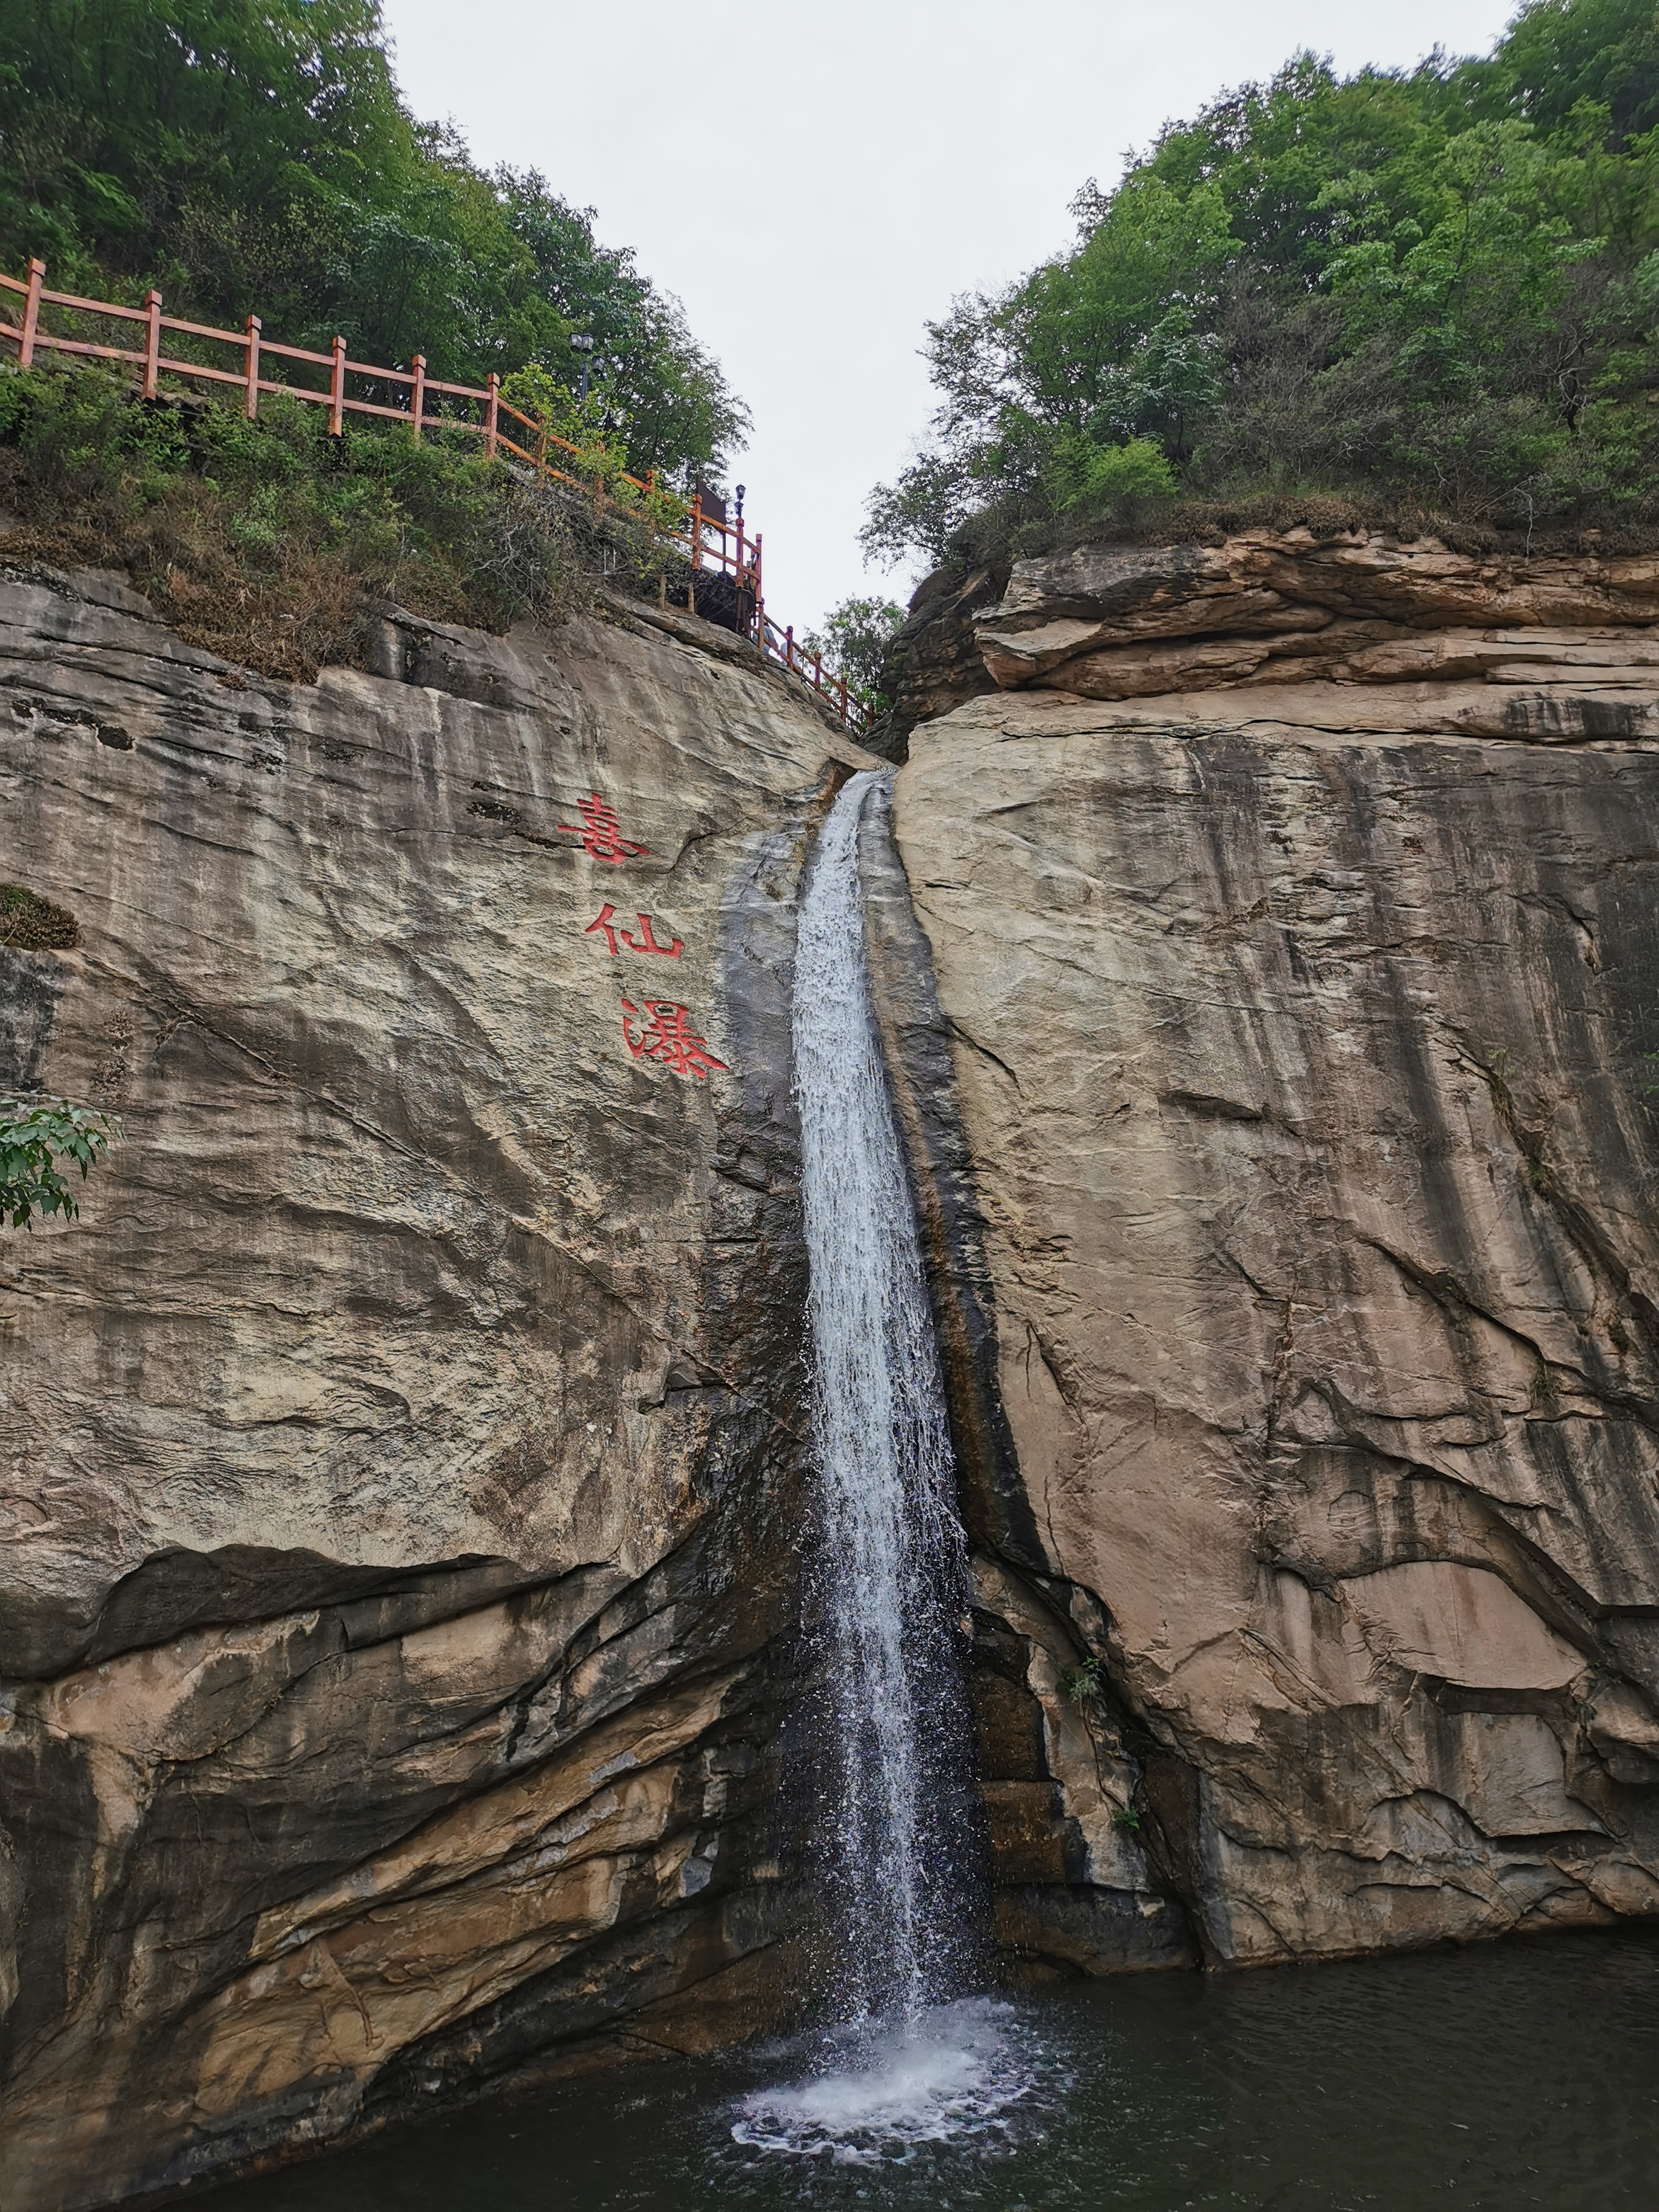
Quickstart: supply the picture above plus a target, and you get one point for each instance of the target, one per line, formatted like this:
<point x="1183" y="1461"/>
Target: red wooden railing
<point x="706" y="541"/>
<point x="780" y="645"/>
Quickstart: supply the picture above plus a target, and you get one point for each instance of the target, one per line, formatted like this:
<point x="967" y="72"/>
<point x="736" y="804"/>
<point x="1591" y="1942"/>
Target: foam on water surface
<point x="966" y="2075"/>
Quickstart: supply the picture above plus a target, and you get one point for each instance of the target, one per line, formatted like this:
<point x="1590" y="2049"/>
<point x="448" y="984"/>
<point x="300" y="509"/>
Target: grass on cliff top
<point x="271" y="542"/>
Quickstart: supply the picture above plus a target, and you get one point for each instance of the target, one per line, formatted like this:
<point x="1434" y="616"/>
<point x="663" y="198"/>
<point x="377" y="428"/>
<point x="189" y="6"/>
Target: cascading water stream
<point x="912" y="2065"/>
<point x="890" y="1586"/>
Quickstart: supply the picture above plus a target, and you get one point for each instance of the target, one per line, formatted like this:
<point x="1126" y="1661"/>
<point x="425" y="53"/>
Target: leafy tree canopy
<point x="854" y="643"/>
<point x="1435" y="288"/>
<point x="255" y="156"/>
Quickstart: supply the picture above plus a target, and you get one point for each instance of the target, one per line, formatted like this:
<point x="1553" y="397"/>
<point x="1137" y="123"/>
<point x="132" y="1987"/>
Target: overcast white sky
<point x="816" y="181"/>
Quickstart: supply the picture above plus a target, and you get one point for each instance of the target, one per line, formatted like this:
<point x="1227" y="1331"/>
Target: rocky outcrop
<point x="403" y="1452"/>
<point x="1306" y="1076"/>
<point x="1291" y="902"/>
<point x="1555" y="648"/>
<point x="934" y="661"/>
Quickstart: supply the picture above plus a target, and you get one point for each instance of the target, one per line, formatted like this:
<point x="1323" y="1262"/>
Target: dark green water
<point x="1504" y="2077"/>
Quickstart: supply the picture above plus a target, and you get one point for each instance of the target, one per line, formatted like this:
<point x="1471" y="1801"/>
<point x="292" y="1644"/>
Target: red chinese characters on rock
<point x="666" y="1035"/>
<point x="662" y="1030"/>
<point x="645" y="942"/>
<point x="600" y="831"/>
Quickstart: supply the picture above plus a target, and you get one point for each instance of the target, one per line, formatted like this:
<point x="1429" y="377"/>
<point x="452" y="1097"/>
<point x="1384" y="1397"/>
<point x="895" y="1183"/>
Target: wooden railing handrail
<point x="741" y="562"/>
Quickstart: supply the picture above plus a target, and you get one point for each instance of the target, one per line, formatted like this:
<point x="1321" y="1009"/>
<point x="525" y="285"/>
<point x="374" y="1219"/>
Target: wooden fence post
<point x="336" y="390"/>
<point x="789" y="648"/>
<point x="152" y="344"/>
<point x="492" y="408"/>
<point x="31" y="314"/>
<point x="418" y="397"/>
<point x="541" y="456"/>
<point x="843" y="698"/>
<point x="251" y="404"/>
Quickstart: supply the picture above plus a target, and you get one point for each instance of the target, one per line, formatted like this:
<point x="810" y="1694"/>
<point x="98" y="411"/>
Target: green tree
<point x="225" y="135"/>
<point x="854" y="643"/>
<point x="1434" y="287"/>
<point x="32" y="1140"/>
<point x="256" y="156"/>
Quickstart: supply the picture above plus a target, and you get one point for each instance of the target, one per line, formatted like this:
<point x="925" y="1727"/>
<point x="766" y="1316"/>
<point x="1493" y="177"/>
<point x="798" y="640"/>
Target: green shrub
<point x="270" y="541"/>
<point x="1081" y="474"/>
<point x="32" y="1140"/>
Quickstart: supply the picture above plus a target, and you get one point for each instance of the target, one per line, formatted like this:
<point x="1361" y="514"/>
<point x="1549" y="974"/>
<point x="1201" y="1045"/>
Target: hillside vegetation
<point x="256" y="156"/>
<point x="1424" y="296"/>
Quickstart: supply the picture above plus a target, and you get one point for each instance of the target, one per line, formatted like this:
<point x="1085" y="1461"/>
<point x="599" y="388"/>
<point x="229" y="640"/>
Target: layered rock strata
<point x="1308" y="1075"/>
<point x="1358" y="631"/>
<point x="403" y="1451"/>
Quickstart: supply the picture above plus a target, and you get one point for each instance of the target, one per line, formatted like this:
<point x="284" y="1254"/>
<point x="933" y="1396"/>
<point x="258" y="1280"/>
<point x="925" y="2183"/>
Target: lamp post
<point x="741" y="488"/>
<point x="582" y="346"/>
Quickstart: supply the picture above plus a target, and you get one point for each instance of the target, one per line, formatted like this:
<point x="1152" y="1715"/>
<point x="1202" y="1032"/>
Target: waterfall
<point x="889" y="1587"/>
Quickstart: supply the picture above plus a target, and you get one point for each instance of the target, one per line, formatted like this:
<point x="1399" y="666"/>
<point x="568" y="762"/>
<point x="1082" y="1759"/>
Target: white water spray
<point x="890" y="1586"/>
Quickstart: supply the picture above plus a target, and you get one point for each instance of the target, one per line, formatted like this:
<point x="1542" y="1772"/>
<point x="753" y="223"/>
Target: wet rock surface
<point x="1306" y="1082"/>
<point x="1073" y="1890"/>
<point x="403" y="1452"/>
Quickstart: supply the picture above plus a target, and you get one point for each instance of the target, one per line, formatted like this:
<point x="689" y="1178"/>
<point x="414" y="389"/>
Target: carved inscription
<point x="645" y="942"/>
<point x="660" y="1029"/>
<point x="601" y="832"/>
<point x="666" y="1034"/>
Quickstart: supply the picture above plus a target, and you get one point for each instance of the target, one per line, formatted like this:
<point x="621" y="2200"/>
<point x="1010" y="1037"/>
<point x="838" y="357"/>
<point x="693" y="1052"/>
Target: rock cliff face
<point x="403" y="1454"/>
<point x="404" y="1462"/>
<point x="1304" y="1037"/>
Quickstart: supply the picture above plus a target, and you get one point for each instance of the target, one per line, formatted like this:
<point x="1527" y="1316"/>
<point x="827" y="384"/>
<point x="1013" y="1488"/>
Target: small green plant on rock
<point x="32" y="1140"/>
<point x="1128" y="1819"/>
<point x="1084" y="1684"/>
